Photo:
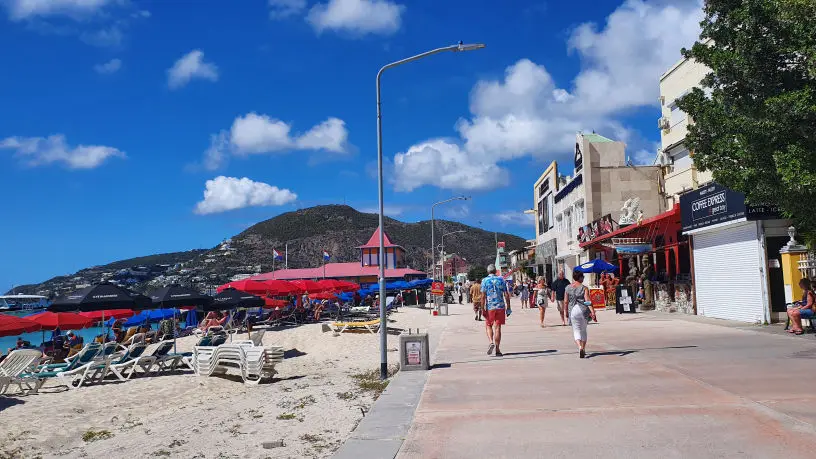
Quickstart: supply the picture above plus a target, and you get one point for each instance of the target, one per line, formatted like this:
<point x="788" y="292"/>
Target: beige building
<point x="680" y="175"/>
<point x="601" y="182"/>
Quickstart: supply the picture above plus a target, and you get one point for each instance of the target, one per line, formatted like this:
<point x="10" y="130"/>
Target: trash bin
<point x="414" y="352"/>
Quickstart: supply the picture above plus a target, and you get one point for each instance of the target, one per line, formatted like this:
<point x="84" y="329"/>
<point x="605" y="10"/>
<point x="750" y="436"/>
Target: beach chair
<point x="84" y="356"/>
<point x="81" y="372"/>
<point x="166" y="360"/>
<point x="372" y="326"/>
<point x="255" y="339"/>
<point x="13" y="368"/>
<point x="255" y="363"/>
<point x="131" y="360"/>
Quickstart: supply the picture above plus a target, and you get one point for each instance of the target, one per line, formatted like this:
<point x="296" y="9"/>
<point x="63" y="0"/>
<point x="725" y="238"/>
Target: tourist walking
<point x="542" y="298"/>
<point x="559" y="287"/>
<point x="580" y="307"/>
<point x="804" y="309"/>
<point x="525" y="296"/>
<point x="496" y="303"/>
<point x="476" y="298"/>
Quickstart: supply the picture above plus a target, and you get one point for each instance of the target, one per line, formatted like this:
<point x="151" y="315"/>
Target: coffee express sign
<point x="714" y="204"/>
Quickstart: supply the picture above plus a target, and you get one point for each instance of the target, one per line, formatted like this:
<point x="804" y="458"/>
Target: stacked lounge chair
<point x="255" y="363"/>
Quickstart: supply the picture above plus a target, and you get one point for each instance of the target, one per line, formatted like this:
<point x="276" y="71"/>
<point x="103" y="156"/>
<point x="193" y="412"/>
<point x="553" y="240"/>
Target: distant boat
<point x="23" y="302"/>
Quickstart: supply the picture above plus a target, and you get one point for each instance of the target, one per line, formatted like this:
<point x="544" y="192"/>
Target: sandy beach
<point x="307" y="411"/>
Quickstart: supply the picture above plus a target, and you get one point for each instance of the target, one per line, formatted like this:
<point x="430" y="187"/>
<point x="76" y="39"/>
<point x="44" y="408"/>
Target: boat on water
<point x="22" y="302"/>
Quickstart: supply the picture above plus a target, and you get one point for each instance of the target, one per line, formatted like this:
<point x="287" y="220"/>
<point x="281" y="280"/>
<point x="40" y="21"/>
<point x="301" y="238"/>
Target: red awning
<point x="648" y="228"/>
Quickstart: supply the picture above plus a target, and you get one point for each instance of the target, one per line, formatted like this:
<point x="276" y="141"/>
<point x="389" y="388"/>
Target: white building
<point x="725" y="231"/>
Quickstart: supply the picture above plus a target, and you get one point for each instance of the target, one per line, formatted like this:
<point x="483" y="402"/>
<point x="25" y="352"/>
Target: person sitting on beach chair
<point x="73" y="344"/>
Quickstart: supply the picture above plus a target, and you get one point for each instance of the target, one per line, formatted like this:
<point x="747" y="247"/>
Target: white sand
<point x="182" y="415"/>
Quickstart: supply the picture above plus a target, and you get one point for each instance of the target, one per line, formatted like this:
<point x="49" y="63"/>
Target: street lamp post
<point x="433" y="254"/>
<point x="443" y="250"/>
<point x="383" y="325"/>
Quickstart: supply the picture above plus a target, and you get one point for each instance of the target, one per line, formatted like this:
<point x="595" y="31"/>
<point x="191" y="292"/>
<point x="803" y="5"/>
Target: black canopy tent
<point x="231" y="298"/>
<point x="98" y="298"/>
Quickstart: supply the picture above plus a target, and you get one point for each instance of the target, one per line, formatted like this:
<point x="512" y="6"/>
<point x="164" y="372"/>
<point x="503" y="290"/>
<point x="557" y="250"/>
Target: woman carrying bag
<point x="580" y="310"/>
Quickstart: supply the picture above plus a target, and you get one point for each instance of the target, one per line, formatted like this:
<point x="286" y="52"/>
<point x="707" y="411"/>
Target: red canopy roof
<point x="659" y="224"/>
<point x="337" y="270"/>
<point x="374" y="241"/>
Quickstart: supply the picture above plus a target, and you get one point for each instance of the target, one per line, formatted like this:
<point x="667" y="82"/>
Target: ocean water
<point x="36" y="338"/>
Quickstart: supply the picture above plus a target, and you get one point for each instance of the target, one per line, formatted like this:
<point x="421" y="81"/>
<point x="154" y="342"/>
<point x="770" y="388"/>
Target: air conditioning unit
<point x="663" y="158"/>
<point x="663" y="123"/>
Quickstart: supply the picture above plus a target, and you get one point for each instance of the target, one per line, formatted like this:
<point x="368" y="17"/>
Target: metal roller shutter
<point x="727" y="274"/>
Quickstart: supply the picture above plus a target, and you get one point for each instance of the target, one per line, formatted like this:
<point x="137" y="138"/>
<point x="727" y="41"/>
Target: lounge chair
<point x="15" y="365"/>
<point x="82" y="357"/>
<point x="131" y="360"/>
<point x="372" y="326"/>
<point x="255" y="339"/>
<point x="81" y="371"/>
<point x="254" y="362"/>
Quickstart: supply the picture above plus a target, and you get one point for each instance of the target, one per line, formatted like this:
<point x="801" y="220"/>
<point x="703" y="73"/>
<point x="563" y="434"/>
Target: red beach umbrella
<point x="277" y="287"/>
<point x="13" y="325"/>
<point x="246" y="285"/>
<point x="308" y="286"/>
<point x="323" y="296"/>
<point x="64" y="320"/>
<point x="107" y="314"/>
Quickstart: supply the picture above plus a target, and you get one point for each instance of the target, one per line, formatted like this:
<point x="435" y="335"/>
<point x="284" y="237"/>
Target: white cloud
<point x="26" y="9"/>
<point x="260" y="134"/>
<point x="515" y="218"/>
<point x="112" y="66"/>
<point x="330" y="135"/>
<point x="443" y="164"/>
<point x="527" y="114"/>
<point x="190" y="66"/>
<point x="229" y="193"/>
<point x="357" y="17"/>
<point x="281" y="9"/>
<point x="41" y="151"/>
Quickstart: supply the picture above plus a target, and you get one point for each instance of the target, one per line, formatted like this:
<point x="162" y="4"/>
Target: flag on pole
<point x="276" y="255"/>
<point x="326" y="256"/>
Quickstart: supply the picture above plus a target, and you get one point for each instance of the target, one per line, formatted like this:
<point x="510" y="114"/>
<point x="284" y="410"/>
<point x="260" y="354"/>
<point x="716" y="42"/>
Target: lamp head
<point x="468" y="47"/>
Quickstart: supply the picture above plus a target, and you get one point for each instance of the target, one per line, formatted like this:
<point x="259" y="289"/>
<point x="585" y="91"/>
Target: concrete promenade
<point x="654" y="386"/>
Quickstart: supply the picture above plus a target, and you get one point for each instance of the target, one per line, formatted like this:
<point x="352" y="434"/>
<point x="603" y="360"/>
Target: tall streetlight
<point x="383" y="324"/>
<point x="433" y="254"/>
<point x="443" y="249"/>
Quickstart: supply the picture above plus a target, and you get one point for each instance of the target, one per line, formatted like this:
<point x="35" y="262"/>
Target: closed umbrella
<point x="64" y="320"/>
<point x="232" y="298"/>
<point x="13" y="325"/>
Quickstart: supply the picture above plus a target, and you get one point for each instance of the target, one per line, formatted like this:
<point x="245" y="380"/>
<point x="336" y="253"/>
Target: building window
<point x="580" y="215"/>
<point x="677" y="115"/>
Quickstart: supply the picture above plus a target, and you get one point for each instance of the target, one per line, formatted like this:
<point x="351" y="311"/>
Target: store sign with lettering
<point x="711" y="205"/>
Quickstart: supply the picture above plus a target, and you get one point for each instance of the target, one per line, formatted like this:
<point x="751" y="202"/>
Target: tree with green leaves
<point x="754" y="116"/>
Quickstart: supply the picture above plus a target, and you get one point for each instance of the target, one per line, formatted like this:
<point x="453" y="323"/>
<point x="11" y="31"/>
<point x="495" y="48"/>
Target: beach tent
<point x="596" y="266"/>
<point x="420" y="283"/>
<point x="397" y="285"/>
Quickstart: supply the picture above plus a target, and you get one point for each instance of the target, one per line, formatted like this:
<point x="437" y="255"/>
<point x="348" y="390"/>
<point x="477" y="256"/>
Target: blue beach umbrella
<point x="596" y="266"/>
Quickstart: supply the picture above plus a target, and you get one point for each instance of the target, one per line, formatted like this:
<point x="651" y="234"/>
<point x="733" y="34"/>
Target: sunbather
<point x="74" y="343"/>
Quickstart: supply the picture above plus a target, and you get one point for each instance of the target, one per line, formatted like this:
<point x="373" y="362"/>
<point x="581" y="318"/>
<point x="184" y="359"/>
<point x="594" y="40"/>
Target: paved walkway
<point x="654" y="386"/>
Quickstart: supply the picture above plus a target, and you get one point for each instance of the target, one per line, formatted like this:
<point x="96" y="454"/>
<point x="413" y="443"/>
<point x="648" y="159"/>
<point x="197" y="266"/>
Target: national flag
<point x="326" y="256"/>
<point x="277" y="255"/>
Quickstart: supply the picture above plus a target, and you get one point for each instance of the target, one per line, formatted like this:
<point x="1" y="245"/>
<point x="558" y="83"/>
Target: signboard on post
<point x="437" y="288"/>
<point x="625" y="302"/>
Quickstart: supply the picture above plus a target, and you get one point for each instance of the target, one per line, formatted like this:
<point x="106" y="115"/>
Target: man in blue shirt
<point x="495" y="301"/>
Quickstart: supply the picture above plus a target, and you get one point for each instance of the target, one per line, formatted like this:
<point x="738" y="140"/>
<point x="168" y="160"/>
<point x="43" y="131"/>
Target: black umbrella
<point x="176" y="296"/>
<point x="231" y="298"/>
<point x="96" y="298"/>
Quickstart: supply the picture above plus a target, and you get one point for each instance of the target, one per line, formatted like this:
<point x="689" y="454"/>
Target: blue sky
<point x="129" y="128"/>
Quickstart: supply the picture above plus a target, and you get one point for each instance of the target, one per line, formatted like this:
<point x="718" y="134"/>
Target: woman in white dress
<point x="579" y="304"/>
<point x="542" y="299"/>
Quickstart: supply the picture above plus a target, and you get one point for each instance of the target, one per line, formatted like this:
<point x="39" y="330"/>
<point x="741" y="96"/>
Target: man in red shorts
<point x="495" y="301"/>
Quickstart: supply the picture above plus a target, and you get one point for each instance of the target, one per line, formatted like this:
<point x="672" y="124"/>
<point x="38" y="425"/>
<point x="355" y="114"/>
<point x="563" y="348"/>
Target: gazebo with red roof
<point x="394" y="254"/>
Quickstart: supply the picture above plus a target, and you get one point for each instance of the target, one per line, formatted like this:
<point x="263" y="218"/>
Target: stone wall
<point x="683" y="301"/>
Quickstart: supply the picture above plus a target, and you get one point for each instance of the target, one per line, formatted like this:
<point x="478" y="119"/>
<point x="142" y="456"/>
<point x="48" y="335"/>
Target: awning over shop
<point x="641" y="237"/>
